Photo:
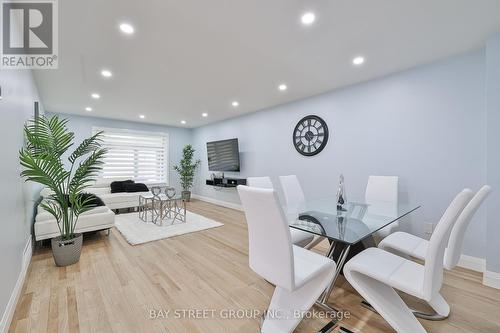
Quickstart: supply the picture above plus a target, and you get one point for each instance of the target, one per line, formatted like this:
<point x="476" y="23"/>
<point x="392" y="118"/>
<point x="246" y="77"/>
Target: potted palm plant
<point x="186" y="170"/>
<point x="47" y="140"/>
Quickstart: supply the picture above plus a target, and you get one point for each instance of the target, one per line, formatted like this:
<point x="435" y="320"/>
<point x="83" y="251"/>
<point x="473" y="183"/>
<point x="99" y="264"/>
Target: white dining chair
<point x="299" y="238"/>
<point x="375" y="274"/>
<point x="405" y="244"/>
<point x="300" y="275"/>
<point x="382" y="197"/>
<point x="261" y="182"/>
<point x="294" y="199"/>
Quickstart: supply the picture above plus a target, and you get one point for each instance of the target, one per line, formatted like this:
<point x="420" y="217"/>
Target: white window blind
<point x="140" y="156"/>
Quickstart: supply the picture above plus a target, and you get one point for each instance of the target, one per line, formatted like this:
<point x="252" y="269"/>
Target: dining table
<point x="345" y="226"/>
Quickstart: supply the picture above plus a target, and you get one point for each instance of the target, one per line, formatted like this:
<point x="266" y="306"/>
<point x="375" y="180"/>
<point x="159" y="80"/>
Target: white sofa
<point x="114" y="200"/>
<point x="99" y="218"/>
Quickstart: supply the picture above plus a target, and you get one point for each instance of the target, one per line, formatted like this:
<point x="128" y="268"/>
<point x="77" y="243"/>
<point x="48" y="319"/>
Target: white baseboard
<point x="14" y="297"/>
<point x="217" y="202"/>
<point x="491" y="279"/>
<point x="472" y="263"/>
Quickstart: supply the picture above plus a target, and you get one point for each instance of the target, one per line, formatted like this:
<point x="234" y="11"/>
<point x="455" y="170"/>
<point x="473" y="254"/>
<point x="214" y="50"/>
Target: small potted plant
<point x="47" y="140"/>
<point x="186" y="170"/>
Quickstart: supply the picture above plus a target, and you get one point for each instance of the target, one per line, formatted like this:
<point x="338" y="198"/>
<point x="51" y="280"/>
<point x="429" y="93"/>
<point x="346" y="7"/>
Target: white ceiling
<point x="188" y="57"/>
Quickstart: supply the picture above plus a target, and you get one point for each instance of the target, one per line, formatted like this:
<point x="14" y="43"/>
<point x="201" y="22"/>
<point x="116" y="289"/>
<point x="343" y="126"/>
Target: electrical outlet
<point x="428" y="228"/>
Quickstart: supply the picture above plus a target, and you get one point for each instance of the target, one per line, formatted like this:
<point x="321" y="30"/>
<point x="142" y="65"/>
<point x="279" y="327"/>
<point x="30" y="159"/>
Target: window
<point x="141" y="156"/>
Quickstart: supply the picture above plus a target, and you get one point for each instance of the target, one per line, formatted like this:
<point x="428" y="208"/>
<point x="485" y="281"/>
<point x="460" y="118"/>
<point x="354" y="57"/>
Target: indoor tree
<point x="186" y="170"/>
<point x="47" y="140"/>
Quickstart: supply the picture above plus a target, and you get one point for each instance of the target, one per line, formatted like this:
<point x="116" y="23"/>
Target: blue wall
<point x="178" y="137"/>
<point x="493" y="150"/>
<point x="17" y="197"/>
<point x="426" y="125"/>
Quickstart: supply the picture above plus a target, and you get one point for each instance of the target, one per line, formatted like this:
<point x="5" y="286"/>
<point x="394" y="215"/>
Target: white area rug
<point x="135" y="231"/>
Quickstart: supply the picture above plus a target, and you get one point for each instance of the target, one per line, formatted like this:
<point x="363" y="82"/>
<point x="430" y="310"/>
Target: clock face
<point x="310" y="135"/>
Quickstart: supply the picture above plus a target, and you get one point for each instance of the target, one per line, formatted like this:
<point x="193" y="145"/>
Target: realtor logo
<point x="29" y="34"/>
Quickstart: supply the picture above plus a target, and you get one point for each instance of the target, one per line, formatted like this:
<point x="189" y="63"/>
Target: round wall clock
<point x="310" y="135"/>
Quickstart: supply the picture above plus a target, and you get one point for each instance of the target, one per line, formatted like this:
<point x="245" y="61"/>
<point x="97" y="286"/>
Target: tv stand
<point x="226" y="182"/>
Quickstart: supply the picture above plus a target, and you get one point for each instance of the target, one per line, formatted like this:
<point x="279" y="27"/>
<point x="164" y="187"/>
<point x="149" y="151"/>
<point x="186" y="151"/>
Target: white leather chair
<point x="405" y="244"/>
<point x="294" y="198"/>
<point x="300" y="275"/>
<point x="261" y="182"/>
<point x="382" y="193"/>
<point x="299" y="238"/>
<point x="375" y="273"/>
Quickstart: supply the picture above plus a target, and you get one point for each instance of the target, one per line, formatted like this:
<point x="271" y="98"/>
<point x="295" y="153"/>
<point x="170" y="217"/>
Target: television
<point x="223" y="155"/>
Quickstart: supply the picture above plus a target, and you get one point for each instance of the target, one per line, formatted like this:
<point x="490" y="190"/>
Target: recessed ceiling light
<point x="106" y="73"/>
<point x="308" y="18"/>
<point x="95" y="96"/>
<point x="282" y="87"/>
<point x="235" y="104"/>
<point x="358" y="60"/>
<point x="183" y="122"/>
<point x="142" y="116"/>
<point x="204" y="114"/>
<point x="127" y="28"/>
<point x="88" y="108"/>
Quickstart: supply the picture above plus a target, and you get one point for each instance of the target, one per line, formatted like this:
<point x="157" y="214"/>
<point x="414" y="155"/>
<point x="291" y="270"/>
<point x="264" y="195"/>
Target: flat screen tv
<point x="223" y="155"/>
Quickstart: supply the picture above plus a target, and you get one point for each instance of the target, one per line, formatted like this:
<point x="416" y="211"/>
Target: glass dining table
<point x="344" y="226"/>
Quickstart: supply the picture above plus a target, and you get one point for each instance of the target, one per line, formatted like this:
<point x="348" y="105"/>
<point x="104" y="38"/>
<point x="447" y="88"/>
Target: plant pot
<point x="186" y="195"/>
<point x="66" y="252"/>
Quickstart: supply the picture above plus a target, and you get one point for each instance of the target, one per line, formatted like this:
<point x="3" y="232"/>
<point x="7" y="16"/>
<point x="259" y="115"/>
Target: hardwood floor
<point x="115" y="286"/>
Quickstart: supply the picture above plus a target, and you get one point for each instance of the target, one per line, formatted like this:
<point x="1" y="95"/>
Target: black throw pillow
<point x="118" y="186"/>
<point x="135" y="187"/>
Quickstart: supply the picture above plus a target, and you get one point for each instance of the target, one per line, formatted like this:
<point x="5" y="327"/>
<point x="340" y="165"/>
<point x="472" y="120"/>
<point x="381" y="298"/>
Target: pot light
<point x="183" y="122"/>
<point x="142" y="116"/>
<point x="282" y="87"/>
<point x="127" y="28"/>
<point x="357" y="61"/>
<point x="235" y="104"/>
<point x="308" y="18"/>
<point x="106" y="73"/>
<point x="95" y="96"/>
<point x="88" y="109"/>
<point x="204" y="114"/>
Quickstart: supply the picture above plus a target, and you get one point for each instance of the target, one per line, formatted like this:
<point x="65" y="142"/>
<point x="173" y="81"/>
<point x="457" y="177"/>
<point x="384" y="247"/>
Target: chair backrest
<point x="382" y="195"/>
<point x="261" y="182"/>
<point x="382" y="188"/>
<point x="433" y="276"/>
<point x="294" y="196"/>
<point x="269" y="242"/>
<point x="458" y="231"/>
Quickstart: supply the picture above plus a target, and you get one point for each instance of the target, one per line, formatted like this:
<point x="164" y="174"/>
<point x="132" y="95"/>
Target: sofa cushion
<point x="135" y="187"/>
<point x="98" y="190"/>
<point x="119" y="186"/>
<point x="97" y="219"/>
<point x="113" y="198"/>
<point x="43" y="215"/>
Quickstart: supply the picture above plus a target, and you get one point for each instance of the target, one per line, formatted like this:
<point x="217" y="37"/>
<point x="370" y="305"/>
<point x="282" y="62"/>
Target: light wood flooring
<point x="115" y="286"/>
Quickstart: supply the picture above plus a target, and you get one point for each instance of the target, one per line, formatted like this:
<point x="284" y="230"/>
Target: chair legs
<point x="286" y="308"/>
<point x="385" y="301"/>
<point x="438" y="304"/>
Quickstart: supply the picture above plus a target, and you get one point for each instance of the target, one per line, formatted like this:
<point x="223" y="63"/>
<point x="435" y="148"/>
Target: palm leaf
<point x="48" y="136"/>
<point x="86" y="147"/>
<point x="87" y="171"/>
<point x="43" y="169"/>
